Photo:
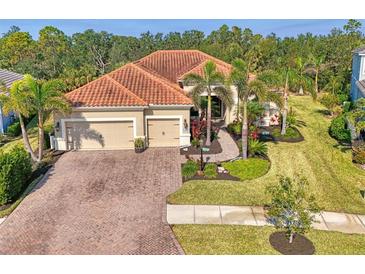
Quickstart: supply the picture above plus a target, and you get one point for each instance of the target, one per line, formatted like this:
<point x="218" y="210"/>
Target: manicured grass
<point x="290" y="133"/>
<point x="247" y="169"/>
<point x="230" y="239"/>
<point x="333" y="178"/>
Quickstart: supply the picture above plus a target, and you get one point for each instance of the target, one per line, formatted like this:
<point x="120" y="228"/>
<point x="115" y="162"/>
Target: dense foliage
<point x="79" y="58"/>
<point x="14" y="129"/>
<point x="338" y="129"/>
<point x="15" y="170"/>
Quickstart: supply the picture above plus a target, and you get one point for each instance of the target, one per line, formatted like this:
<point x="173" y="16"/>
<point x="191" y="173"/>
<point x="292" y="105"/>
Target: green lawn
<point x="32" y="133"/>
<point x="247" y="169"/>
<point x="230" y="239"/>
<point x="333" y="178"/>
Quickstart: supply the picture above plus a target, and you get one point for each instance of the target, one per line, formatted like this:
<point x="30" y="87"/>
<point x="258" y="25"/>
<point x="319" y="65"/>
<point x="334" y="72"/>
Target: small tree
<point x="291" y="207"/>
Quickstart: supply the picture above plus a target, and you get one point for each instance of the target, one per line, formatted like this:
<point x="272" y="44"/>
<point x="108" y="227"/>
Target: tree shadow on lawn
<point x="324" y="112"/>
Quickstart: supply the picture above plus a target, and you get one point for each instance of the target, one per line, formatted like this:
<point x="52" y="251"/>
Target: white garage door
<point x="163" y="132"/>
<point x="100" y="135"/>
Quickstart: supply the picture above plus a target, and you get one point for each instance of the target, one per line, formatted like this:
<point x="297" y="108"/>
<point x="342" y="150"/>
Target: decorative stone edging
<point x="255" y="216"/>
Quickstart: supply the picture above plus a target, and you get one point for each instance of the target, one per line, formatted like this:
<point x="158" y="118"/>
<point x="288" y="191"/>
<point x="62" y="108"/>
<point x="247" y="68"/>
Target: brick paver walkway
<point x="255" y="215"/>
<point x="111" y="202"/>
<point x="229" y="149"/>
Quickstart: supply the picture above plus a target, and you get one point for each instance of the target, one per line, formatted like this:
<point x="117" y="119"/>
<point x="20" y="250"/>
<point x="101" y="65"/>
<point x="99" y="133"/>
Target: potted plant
<point x="139" y="145"/>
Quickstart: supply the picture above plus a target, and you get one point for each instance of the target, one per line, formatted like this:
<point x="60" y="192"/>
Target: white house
<point x="358" y="74"/>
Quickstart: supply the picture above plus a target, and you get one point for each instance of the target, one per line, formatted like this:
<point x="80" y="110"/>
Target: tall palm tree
<point x="245" y="88"/>
<point x="211" y="82"/>
<point x="316" y="65"/>
<point x="16" y="99"/>
<point x="45" y="97"/>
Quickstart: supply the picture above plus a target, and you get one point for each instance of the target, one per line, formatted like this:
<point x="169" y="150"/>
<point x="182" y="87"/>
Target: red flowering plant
<point x="254" y="134"/>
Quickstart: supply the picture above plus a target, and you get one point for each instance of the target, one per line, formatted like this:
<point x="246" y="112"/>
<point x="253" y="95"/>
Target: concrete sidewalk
<point x="255" y="215"/>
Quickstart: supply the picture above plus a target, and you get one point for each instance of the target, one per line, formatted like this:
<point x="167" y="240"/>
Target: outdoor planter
<point x="139" y="145"/>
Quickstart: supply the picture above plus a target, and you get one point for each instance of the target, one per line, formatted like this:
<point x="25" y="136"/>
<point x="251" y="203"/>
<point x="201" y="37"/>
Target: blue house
<point x="358" y="74"/>
<point x="7" y="78"/>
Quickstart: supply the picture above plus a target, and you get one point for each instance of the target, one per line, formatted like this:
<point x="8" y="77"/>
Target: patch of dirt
<point x="214" y="148"/>
<point x="300" y="245"/>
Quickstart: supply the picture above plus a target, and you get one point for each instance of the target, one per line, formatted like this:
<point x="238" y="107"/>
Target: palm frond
<point x="195" y="94"/>
<point x="193" y="79"/>
<point x="225" y="94"/>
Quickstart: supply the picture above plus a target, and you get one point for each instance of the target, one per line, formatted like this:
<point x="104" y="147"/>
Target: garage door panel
<point x="163" y="132"/>
<point x="100" y="135"/>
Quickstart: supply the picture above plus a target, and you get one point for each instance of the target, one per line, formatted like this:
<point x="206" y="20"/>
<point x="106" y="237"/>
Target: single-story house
<point x="358" y="74"/>
<point x="7" y="78"/>
<point x="144" y="99"/>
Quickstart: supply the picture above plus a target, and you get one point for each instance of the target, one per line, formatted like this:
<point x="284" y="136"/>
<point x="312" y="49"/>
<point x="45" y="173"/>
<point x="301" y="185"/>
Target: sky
<point x="281" y="27"/>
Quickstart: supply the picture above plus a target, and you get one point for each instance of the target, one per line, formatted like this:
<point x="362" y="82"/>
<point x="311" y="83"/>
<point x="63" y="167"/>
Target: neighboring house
<point x="145" y="99"/>
<point x="358" y="74"/>
<point x="7" y="78"/>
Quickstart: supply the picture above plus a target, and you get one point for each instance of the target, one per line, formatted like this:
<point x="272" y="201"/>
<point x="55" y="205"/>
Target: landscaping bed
<point x="219" y="176"/>
<point x="273" y="134"/>
<point x="214" y="148"/>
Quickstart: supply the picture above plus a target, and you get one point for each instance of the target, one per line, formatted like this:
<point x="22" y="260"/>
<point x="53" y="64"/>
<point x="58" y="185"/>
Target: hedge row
<point x="15" y="170"/>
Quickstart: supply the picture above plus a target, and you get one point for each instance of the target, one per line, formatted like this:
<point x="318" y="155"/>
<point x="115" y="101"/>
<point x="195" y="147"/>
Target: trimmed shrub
<point x="235" y="128"/>
<point x="14" y="129"/>
<point x="210" y="170"/>
<point x="15" y="170"/>
<point x="339" y="131"/>
<point x="189" y="169"/>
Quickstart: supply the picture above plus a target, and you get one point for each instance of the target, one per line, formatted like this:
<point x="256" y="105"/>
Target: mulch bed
<point x="271" y="138"/>
<point x="300" y="245"/>
<point x="214" y="148"/>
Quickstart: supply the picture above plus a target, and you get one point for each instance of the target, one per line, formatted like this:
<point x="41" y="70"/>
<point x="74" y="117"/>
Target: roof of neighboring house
<point x="360" y="50"/>
<point x="9" y="77"/>
<point x="152" y="80"/>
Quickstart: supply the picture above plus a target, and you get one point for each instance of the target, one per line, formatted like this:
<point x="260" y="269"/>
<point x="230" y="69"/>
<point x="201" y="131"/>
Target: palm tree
<point x="334" y="84"/>
<point x="208" y="83"/>
<point x="245" y="88"/>
<point x="16" y="99"/>
<point x="45" y="97"/>
<point x="316" y="65"/>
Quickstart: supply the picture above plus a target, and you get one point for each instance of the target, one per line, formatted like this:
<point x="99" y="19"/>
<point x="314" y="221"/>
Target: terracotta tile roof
<point x="174" y="64"/>
<point x="103" y="92"/>
<point x="150" y="80"/>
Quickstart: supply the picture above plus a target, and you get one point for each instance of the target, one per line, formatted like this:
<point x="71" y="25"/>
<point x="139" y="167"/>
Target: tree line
<point x="81" y="57"/>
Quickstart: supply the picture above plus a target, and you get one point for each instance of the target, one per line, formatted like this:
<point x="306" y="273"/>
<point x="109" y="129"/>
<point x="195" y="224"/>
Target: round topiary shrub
<point x="210" y="170"/>
<point x="338" y="130"/>
<point x="15" y="170"/>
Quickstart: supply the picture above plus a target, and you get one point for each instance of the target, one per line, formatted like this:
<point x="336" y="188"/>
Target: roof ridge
<point x="107" y="76"/>
<point x="162" y="81"/>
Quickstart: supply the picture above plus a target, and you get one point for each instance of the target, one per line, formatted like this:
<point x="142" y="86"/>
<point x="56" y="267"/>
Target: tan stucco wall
<point x="138" y="114"/>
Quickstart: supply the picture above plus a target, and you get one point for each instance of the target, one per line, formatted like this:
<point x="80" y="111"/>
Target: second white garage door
<point x="100" y="135"/>
<point x="163" y="132"/>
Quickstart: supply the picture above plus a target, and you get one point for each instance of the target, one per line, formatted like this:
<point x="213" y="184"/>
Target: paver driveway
<point x="110" y="202"/>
